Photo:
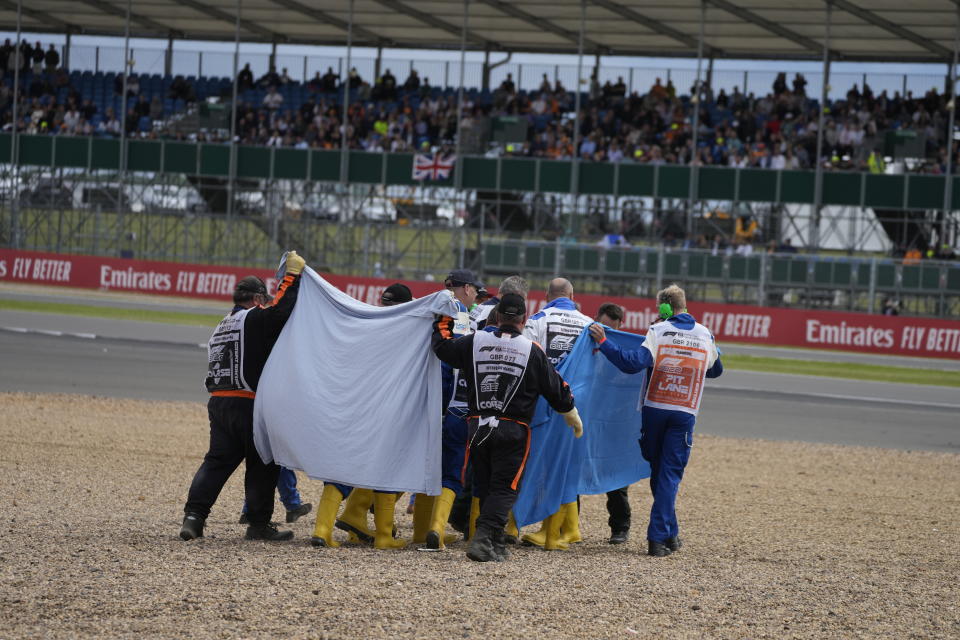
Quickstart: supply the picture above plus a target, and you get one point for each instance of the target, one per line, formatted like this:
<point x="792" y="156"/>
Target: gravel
<point x="781" y="539"/>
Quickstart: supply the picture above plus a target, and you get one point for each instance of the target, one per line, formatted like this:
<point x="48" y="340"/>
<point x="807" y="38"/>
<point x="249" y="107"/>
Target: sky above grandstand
<point x="194" y="57"/>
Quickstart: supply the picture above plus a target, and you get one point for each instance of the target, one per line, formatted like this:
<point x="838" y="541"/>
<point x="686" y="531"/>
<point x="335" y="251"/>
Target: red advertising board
<point x="928" y="337"/>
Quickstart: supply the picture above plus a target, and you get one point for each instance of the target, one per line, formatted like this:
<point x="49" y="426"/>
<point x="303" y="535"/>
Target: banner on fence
<point x="902" y="335"/>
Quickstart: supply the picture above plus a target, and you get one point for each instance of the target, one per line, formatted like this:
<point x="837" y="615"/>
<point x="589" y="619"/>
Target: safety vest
<point x="557" y="331"/>
<point x="225" y="355"/>
<point x="681" y="360"/>
<point x="499" y="364"/>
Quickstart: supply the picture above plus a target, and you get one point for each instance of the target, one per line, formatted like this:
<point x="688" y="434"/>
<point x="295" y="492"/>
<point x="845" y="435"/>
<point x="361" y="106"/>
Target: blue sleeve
<point x="716" y="370"/>
<point x="627" y="361"/>
<point x="446" y="384"/>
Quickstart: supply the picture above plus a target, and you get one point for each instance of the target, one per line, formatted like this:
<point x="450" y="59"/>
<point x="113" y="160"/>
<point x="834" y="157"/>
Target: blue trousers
<point x="453" y="452"/>
<point x="345" y="490"/>
<point x="665" y="441"/>
<point x="287" y="487"/>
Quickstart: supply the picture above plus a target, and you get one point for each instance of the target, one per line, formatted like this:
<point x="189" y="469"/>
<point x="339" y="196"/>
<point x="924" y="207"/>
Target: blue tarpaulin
<point x="607" y="457"/>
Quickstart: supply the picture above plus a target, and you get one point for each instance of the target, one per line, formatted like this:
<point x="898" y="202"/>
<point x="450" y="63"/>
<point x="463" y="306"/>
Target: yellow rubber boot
<point x="354" y="517"/>
<point x="438" y="523"/>
<point x="383" y="504"/>
<point x="422" y="515"/>
<point x="538" y="538"/>
<point x="552" y="524"/>
<point x="571" y="523"/>
<point x="326" y="516"/>
<point x="474" y="514"/>
<point x="511" y="533"/>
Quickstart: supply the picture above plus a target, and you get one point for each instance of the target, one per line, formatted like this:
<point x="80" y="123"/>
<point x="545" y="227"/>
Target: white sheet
<point x="351" y="392"/>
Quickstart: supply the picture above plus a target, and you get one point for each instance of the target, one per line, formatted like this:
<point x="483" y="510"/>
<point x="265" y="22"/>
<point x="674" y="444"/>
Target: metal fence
<point x="415" y="232"/>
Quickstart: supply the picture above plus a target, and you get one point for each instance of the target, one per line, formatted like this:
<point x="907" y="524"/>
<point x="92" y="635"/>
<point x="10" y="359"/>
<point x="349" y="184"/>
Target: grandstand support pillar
<point x="346" y="212"/>
<point x="952" y="105"/>
<point x="168" y="57"/>
<point x="127" y="68"/>
<point x="814" y="231"/>
<point x="575" y="164"/>
<point x="14" y="137"/>
<point x="378" y="65"/>
<point x="695" y="101"/>
<point x="232" y="169"/>
<point x="272" y="63"/>
<point x="458" y="146"/>
<point x="66" y="52"/>
<point x="485" y="76"/>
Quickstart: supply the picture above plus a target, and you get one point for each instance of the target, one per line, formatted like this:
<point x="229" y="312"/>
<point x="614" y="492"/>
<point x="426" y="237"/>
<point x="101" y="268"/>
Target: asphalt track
<point x="740" y="404"/>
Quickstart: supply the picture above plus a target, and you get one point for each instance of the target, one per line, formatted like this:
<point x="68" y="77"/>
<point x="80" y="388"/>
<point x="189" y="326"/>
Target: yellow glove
<point x="572" y="418"/>
<point x="295" y="263"/>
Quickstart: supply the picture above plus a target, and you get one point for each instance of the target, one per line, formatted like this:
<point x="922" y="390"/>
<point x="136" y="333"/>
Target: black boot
<point x="619" y="537"/>
<point x="192" y="526"/>
<point x="499" y="541"/>
<point x="481" y="546"/>
<point x="657" y="549"/>
<point x="674" y="543"/>
<point x="295" y="514"/>
<point x="267" y="531"/>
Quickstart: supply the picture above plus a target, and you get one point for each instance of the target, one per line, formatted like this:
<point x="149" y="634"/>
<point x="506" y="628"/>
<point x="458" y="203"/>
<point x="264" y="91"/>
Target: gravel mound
<point x="781" y="540"/>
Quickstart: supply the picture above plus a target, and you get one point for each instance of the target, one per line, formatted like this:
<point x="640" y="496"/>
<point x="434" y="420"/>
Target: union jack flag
<point x="433" y="166"/>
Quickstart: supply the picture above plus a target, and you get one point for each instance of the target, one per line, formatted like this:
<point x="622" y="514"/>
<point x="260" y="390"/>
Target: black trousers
<point x="231" y="442"/>
<point x="497" y="455"/>
<point x="618" y="506"/>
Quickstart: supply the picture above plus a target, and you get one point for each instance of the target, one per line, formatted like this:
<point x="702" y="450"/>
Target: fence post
<point x="873" y="285"/>
<point x="661" y="254"/>
<point x="762" y="284"/>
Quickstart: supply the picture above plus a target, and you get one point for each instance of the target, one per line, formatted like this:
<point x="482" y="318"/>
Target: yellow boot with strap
<point x="571" y="523"/>
<point x="511" y="534"/>
<point x="436" y="538"/>
<point x="383" y="505"/>
<point x="474" y="514"/>
<point x="537" y="538"/>
<point x="422" y="517"/>
<point x="353" y="520"/>
<point x="326" y="515"/>
<point x="553" y="541"/>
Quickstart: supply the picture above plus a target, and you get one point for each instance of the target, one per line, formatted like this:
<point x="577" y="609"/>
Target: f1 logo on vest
<point x="490" y="384"/>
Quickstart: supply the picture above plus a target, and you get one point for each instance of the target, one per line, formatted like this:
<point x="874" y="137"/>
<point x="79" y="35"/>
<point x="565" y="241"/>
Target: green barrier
<point x="910" y="191"/>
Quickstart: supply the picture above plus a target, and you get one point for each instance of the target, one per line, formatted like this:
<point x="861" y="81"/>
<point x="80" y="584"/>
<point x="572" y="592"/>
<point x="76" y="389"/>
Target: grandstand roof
<point x="876" y="30"/>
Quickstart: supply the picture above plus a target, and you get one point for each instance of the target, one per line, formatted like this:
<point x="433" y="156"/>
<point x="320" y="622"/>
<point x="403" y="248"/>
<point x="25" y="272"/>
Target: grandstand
<point x="565" y="182"/>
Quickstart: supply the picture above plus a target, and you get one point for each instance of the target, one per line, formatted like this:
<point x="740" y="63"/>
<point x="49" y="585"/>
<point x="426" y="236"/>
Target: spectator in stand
<point x="273" y="100"/>
<point x="180" y="89"/>
<point x="52" y="59"/>
<point x="37" y="57"/>
<point x="270" y="79"/>
<point x="245" y="78"/>
<point x="353" y="79"/>
<point x="109" y="126"/>
<point x="412" y="83"/>
<point x="156" y="109"/>
<point x="328" y="84"/>
<point x="142" y="107"/>
<point x="507" y="86"/>
<point x="285" y="77"/>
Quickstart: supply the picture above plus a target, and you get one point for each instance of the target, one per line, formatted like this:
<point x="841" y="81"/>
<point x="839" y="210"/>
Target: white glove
<point x="572" y="418"/>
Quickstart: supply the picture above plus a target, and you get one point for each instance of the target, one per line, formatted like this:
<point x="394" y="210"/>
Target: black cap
<point x="252" y="284"/>
<point x="395" y="294"/>
<point x="483" y="294"/>
<point x="512" y="305"/>
<point x="460" y="277"/>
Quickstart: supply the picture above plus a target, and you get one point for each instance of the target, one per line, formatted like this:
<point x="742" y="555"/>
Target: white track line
<point x="839" y="396"/>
